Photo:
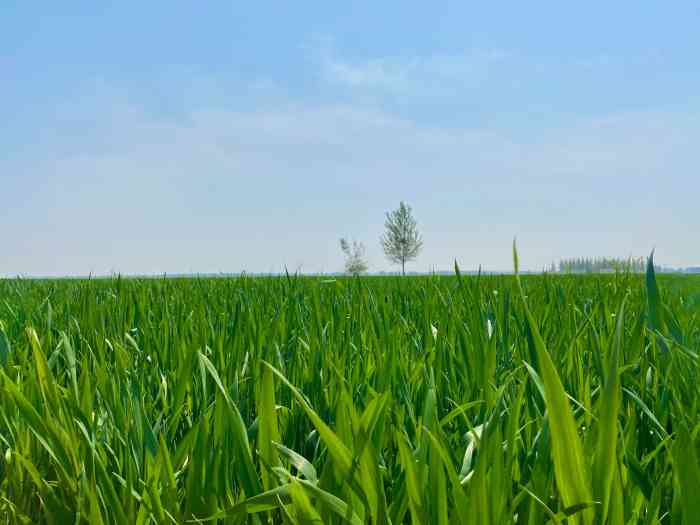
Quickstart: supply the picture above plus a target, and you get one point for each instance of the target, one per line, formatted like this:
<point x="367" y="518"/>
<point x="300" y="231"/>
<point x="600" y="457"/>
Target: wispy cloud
<point x="413" y="75"/>
<point x="485" y="85"/>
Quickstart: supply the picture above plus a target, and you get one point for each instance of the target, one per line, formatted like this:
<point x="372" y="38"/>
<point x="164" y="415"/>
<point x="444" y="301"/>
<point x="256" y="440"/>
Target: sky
<point x="152" y="137"/>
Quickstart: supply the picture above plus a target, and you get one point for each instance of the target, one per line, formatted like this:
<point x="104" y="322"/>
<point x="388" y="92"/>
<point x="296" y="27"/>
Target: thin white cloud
<point x="492" y="82"/>
<point x="415" y="75"/>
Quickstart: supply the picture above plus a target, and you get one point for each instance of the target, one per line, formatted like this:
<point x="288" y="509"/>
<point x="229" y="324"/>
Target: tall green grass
<point x="427" y="400"/>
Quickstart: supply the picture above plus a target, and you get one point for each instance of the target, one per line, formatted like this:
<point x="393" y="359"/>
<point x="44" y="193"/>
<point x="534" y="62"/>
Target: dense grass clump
<point x="426" y="400"/>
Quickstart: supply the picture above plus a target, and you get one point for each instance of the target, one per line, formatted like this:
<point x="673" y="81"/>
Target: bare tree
<point x="401" y="240"/>
<point x="355" y="262"/>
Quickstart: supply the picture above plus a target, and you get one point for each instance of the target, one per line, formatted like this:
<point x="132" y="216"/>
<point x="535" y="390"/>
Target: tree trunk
<point x="403" y="267"/>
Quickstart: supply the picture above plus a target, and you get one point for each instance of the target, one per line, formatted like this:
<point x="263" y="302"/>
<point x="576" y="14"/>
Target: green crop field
<point x="425" y="400"/>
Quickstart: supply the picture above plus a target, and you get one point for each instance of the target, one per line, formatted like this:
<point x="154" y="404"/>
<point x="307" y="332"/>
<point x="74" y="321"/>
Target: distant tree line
<point x="600" y="264"/>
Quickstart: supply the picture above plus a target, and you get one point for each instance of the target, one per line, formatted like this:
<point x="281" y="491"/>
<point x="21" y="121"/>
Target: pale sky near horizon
<point x="151" y="137"/>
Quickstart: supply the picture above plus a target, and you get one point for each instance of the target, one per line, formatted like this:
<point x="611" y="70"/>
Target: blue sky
<point x="150" y="137"/>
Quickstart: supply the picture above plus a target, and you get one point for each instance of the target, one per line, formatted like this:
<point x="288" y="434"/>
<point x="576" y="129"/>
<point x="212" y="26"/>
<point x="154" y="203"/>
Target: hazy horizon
<point x="175" y="138"/>
<point x="689" y="269"/>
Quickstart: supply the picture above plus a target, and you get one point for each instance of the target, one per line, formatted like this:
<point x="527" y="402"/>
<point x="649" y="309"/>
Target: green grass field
<point x="425" y="400"/>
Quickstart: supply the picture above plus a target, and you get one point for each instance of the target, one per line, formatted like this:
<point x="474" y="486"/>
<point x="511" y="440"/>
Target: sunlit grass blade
<point x="240" y="436"/>
<point x="268" y="432"/>
<point x="341" y="454"/>
<point x="567" y="452"/>
<point x="605" y="460"/>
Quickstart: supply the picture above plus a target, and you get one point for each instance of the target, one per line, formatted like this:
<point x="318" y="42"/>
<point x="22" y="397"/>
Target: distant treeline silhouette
<point x="600" y="264"/>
